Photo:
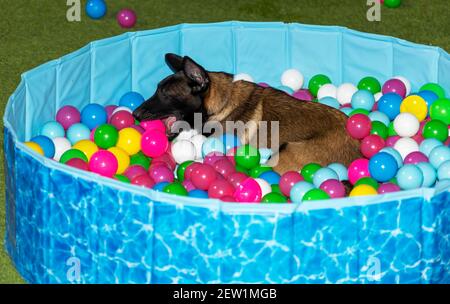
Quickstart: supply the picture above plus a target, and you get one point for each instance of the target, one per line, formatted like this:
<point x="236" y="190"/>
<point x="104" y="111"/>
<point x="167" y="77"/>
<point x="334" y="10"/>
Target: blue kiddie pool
<point x="69" y="226"/>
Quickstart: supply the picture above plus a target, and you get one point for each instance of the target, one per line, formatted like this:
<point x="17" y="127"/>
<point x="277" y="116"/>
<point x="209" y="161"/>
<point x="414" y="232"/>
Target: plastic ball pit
<point x="59" y="217"/>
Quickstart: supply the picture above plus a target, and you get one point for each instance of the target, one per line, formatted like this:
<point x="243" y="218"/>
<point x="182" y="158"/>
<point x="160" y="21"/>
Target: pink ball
<point x="154" y="143"/>
<point x="288" y="180"/>
<point x="334" y="188"/>
<point x="388" y="188"/>
<point x="122" y="119"/>
<point x="224" y="167"/>
<point x="144" y="181"/>
<point x="391" y="140"/>
<point x="212" y="157"/>
<point x="154" y="125"/>
<point x="415" y="158"/>
<point x="375" y="107"/>
<point x="78" y="163"/>
<point x="359" y="126"/>
<point x="126" y="18"/>
<point x="67" y="116"/>
<point x="91" y="136"/>
<point x="109" y="111"/>
<point x="202" y="176"/>
<point x="249" y="192"/>
<point x="188" y="185"/>
<point x="359" y="168"/>
<point x="104" y="163"/>
<point x="371" y="145"/>
<point x="236" y="178"/>
<point x="161" y="173"/>
<point x="303" y="94"/>
<point x="228" y="199"/>
<point x="394" y="86"/>
<point x="138" y="128"/>
<point x="133" y="171"/>
<point x="165" y="159"/>
<point x="220" y="188"/>
<point x="189" y="169"/>
<point x="263" y="84"/>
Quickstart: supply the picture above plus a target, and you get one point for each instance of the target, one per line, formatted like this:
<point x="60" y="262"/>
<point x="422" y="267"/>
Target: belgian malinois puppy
<point x="308" y="131"/>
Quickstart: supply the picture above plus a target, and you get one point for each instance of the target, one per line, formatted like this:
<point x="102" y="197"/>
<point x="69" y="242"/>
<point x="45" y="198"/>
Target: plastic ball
<point x="303" y="94"/>
<point x="288" y="180"/>
<point x="109" y="111"/>
<point x="247" y="157"/>
<point x="372" y="144"/>
<point x="197" y="141"/>
<point x="153" y="125"/>
<point x="78" y="163"/>
<point x="46" y="144"/>
<point x="236" y="178"/>
<point x="435" y="129"/>
<point x="202" y="176"/>
<point x="143" y="181"/>
<point x="367" y="181"/>
<point x="309" y="170"/>
<point x="435" y="88"/>
<point x="78" y="132"/>
<point x="389" y="104"/>
<point x="345" y="92"/>
<point x="87" y="147"/>
<point x="406" y="82"/>
<point x="122" y="178"/>
<point x="104" y="163"/>
<point x="394" y="86"/>
<point x="429" y="97"/>
<point x="383" y="166"/>
<point x="183" y="150"/>
<point x="212" y="144"/>
<point x="52" y="129"/>
<point x="264" y="185"/>
<point x="133" y="171"/>
<point x="347" y="111"/>
<point x="334" y="188"/>
<point x="322" y="175"/>
<point x="363" y="190"/>
<point x="166" y="159"/>
<point x="415" y="105"/>
<point x="299" y="190"/>
<point x="316" y="82"/>
<point x="95" y="9"/>
<point x="123" y="159"/>
<point x="67" y="116"/>
<point x="274" y="197"/>
<point x="327" y="90"/>
<point x="131" y="100"/>
<point x="315" y="195"/>
<point x="406" y="125"/>
<point x="440" y="110"/>
<point x="126" y="18"/>
<point x="243" y="77"/>
<point x="62" y="144"/>
<point x="439" y="155"/>
<point x="228" y="199"/>
<point x="340" y="170"/>
<point x="271" y="177"/>
<point x="141" y="160"/>
<point x="388" y="188"/>
<point x="409" y="177"/>
<point x="359" y="168"/>
<point x="248" y="191"/>
<point x="380" y="129"/>
<point x="358" y="126"/>
<point x="359" y="111"/>
<point x="220" y="188"/>
<point x="93" y="115"/>
<point x="363" y="99"/>
<point x="428" y="145"/>
<point x="370" y="84"/>
<point x="161" y="173"/>
<point x="213" y="157"/>
<point x="443" y="171"/>
<point x="197" y="193"/>
<point x="429" y="174"/>
<point x="406" y="145"/>
<point x="258" y="170"/>
<point x="380" y="117"/>
<point x="181" y="169"/>
<point x="230" y="141"/>
<point x="106" y="136"/>
<point x="72" y="153"/>
<point x="224" y="167"/>
<point x="292" y="78"/>
<point x="330" y="101"/>
<point x="415" y="158"/>
<point x="153" y="143"/>
<point x="35" y="147"/>
<point x="118" y="109"/>
<point x="121" y="120"/>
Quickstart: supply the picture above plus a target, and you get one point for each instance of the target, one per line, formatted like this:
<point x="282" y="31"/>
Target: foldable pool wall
<point x="68" y="226"/>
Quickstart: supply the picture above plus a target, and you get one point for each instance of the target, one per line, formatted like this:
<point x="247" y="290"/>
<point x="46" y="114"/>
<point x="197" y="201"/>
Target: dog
<point x="308" y="131"/>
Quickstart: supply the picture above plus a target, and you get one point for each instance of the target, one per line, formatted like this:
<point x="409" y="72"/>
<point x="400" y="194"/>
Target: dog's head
<point x="178" y="96"/>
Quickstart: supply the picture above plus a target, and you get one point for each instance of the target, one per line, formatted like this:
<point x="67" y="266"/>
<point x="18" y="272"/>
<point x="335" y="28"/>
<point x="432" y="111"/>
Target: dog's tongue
<point x="169" y="121"/>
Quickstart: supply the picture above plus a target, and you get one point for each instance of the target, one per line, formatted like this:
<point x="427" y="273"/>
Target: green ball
<point x="316" y="82"/>
<point x="141" y="160"/>
<point x="391" y="130"/>
<point x="370" y="84"/>
<point x="257" y="171"/>
<point x="72" y="153"/>
<point x="241" y="169"/>
<point x="435" y="129"/>
<point x="392" y="3"/>
<point x="247" y="157"/>
<point x="106" y="136"/>
<point x="359" y="111"/>
<point x="440" y="109"/>
<point x="175" y="188"/>
<point x="181" y="169"/>
<point x="309" y="170"/>
<point x="367" y="181"/>
<point x="435" y="88"/>
<point x="315" y="194"/>
<point x="274" y="197"/>
<point x="393" y="181"/>
<point x="122" y="178"/>
<point x="276" y="188"/>
<point x="378" y="128"/>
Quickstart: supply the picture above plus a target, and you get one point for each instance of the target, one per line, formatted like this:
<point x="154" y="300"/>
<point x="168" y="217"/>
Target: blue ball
<point x="428" y="145"/>
<point x="198" y="193"/>
<point x="379" y="116"/>
<point x="439" y="155"/>
<point x="271" y="177"/>
<point x="52" y="129"/>
<point x="363" y="99"/>
<point x="230" y="141"/>
<point x="443" y="171"/>
<point x="429" y="174"/>
<point x="286" y="89"/>
<point x="409" y="177"/>
<point x="131" y="100"/>
<point x="46" y="144"/>
<point x="322" y="175"/>
<point x="160" y="186"/>
<point x="330" y="101"/>
<point x="77" y="132"/>
<point x="93" y="115"/>
<point x="389" y="104"/>
<point x="383" y="166"/>
<point x="95" y="9"/>
<point x="429" y="97"/>
<point x="299" y="190"/>
<point x="347" y="111"/>
<point x="395" y="154"/>
<point x="340" y="170"/>
<point x="212" y="144"/>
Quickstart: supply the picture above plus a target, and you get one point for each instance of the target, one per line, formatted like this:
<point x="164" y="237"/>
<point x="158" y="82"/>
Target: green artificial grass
<point x="35" y="31"/>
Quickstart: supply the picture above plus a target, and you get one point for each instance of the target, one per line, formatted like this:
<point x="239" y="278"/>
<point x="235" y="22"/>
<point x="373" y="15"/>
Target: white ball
<point x="198" y="141"/>
<point x="327" y="90"/>
<point x="293" y="79"/>
<point x="121" y="109"/>
<point x="406" y="82"/>
<point x="62" y="144"/>
<point x="264" y="185"/>
<point x="243" y="76"/>
<point x="377" y="96"/>
<point x="186" y="135"/>
<point x="406" y="124"/>
<point x="183" y="150"/>
<point x="345" y="93"/>
<point x="406" y="145"/>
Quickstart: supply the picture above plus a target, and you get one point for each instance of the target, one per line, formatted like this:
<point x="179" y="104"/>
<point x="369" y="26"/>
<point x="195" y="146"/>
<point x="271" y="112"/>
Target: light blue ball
<point x="346" y="111"/>
<point x="383" y="166"/>
<point x="131" y="100"/>
<point x="78" y="132"/>
<point x="197" y="193"/>
<point x="212" y="144"/>
<point x="409" y="177"/>
<point x="429" y="174"/>
<point x="340" y="170"/>
<point x="439" y="155"/>
<point x="271" y="177"/>
<point x="93" y="115"/>
<point x="322" y="175"/>
<point x="52" y="129"/>
<point x="265" y="153"/>
<point x="395" y="154"/>
<point x="95" y="9"/>
<point x="299" y="190"/>
<point x="330" y="101"/>
<point x="379" y="116"/>
<point x="363" y="99"/>
<point x="46" y="144"/>
<point x="443" y="171"/>
<point x="160" y="186"/>
<point x="286" y="89"/>
<point x="230" y="141"/>
<point x="428" y="145"/>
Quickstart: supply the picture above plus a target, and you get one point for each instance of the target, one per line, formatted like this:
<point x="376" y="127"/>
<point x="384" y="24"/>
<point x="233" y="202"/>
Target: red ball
<point x="371" y="145"/>
<point x="189" y="170"/>
<point x="220" y="188"/>
<point x="224" y="167"/>
<point x="202" y="176"/>
<point x="122" y="119"/>
<point x="236" y="178"/>
<point x="165" y="159"/>
<point x="288" y="180"/>
<point x="359" y="126"/>
<point x="161" y="173"/>
<point x="78" y="163"/>
<point x="143" y="181"/>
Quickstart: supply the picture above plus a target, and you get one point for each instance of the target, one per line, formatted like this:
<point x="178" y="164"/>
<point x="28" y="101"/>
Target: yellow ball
<point x="363" y="190"/>
<point x="129" y="140"/>
<point x="87" y="147"/>
<point x="122" y="157"/>
<point x="35" y="147"/>
<point x="415" y="105"/>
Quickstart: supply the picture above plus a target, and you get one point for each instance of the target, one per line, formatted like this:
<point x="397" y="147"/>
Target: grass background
<point x="35" y="31"/>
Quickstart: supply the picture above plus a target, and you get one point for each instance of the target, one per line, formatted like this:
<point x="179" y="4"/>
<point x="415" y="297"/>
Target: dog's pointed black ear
<point x="197" y="74"/>
<point x="174" y="61"/>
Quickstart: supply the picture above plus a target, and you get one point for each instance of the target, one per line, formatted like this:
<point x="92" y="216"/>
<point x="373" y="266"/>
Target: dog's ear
<point x="197" y="74"/>
<point x="174" y="61"/>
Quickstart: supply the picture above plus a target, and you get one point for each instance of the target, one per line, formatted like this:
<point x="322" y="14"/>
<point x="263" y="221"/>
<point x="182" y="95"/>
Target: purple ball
<point x="391" y="140"/>
<point x="333" y="188"/>
<point x="138" y="128"/>
<point x="264" y="85"/>
<point x="109" y="110"/>
<point x="415" y="158"/>
<point x="388" y="188"/>
<point x="126" y="18"/>
<point x="394" y="86"/>
<point x="67" y="116"/>
<point x="303" y="94"/>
